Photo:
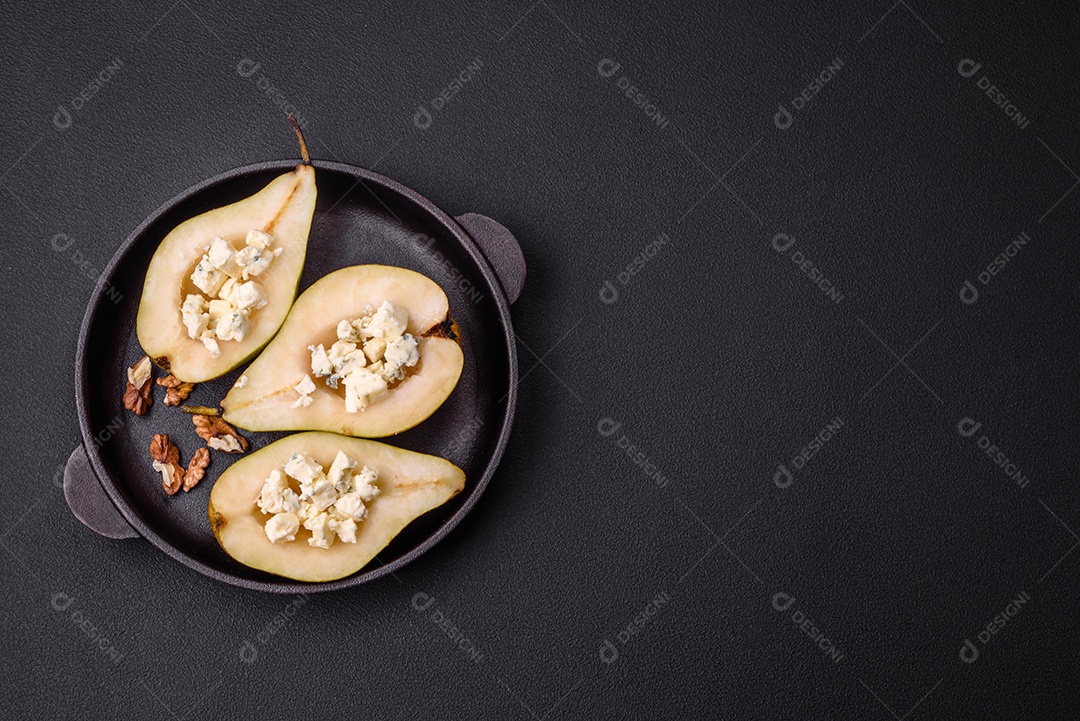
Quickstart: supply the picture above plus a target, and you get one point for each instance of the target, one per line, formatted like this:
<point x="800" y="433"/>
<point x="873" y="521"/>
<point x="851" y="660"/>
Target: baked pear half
<point x="404" y="485"/>
<point x="367" y="351"/>
<point x="221" y="284"/>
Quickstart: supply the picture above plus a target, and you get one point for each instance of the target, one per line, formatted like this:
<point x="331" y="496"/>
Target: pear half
<point x="265" y="402"/>
<point x="284" y="208"/>
<point x="410" y="484"/>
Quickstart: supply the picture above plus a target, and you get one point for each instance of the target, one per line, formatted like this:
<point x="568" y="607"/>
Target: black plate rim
<point x="82" y="378"/>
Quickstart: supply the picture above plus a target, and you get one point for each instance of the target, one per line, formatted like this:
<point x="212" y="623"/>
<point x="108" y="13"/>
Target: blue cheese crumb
<point x="371" y="353"/>
<point x="329" y="505"/>
<point x="223" y="311"/>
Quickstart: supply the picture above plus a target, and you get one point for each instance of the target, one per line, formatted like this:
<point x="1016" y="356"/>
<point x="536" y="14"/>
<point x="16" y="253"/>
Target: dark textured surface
<point x="720" y="358"/>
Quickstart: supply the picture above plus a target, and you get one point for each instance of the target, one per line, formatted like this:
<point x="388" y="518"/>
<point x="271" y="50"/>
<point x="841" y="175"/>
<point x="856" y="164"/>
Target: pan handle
<point x="501" y="250"/>
<point x="87" y="500"/>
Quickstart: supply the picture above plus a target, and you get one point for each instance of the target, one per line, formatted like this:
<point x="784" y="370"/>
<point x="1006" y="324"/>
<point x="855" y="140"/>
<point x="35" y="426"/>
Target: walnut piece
<point x="228" y="444"/>
<point x="176" y="390"/>
<point x="140" y="372"/>
<point x="139" y="393"/>
<point x="219" y="435"/>
<point x="196" y="469"/>
<point x="163" y="450"/>
<point x="166" y="457"/>
<point x="172" y="476"/>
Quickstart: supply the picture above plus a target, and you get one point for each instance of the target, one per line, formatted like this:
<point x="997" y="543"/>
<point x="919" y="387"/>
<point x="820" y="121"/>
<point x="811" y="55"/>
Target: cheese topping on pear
<point x="223" y="275"/>
<point x="370" y="356"/>
<point x="329" y="504"/>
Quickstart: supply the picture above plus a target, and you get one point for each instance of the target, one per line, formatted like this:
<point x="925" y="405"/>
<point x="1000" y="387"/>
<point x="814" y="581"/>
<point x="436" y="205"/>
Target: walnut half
<point x="166" y="458"/>
<point x="176" y="390"/>
<point x="139" y="393"/>
<point x="219" y="435"/>
<point x="196" y="469"/>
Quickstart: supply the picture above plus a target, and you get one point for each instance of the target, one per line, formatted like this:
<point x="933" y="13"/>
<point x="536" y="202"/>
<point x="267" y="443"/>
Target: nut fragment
<point x="140" y="372"/>
<point x="196" y="469"/>
<point x="136" y="401"/>
<point x="166" y="457"/>
<point x="219" y="435"/>
<point x="138" y="393"/>
<point x="172" y="476"/>
<point x="163" y="450"/>
<point x="176" y="390"/>
<point x="228" y="444"/>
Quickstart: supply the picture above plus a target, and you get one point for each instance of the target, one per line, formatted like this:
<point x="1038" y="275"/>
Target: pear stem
<point x="300" y="136"/>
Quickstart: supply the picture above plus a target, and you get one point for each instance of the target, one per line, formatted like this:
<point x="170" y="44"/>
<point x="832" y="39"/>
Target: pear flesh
<point x="410" y="484"/>
<point x="265" y="397"/>
<point x="284" y="209"/>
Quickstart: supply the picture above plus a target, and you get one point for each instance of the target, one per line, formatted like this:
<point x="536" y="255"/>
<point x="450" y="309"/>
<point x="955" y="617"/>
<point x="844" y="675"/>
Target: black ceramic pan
<point x="360" y="217"/>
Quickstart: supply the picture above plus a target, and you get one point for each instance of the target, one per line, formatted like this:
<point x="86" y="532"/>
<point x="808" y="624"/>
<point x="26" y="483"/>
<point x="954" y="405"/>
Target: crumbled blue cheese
<point x="304" y="388"/>
<point x="258" y="239"/>
<point x="194" y="313"/>
<point x="351" y="505"/>
<point x="303" y="468"/>
<point x="222" y="255"/>
<point x="329" y="505"/>
<point x="362" y="388"/>
<point x="347" y="332"/>
<point x="367" y="371"/>
<point x="212" y="346"/>
<point x="345" y="528"/>
<point x="322" y="535"/>
<point x="323" y="494"/>
<point x="374" y="349"/>
<point x="343" y="353"/>
<point x="340" y="473"/>
<point x="276" y="496"/>
<point x="233" y="325"/>
<point x="254" y="260"/>
<point x="402" y="352"/>
<point x="228" y="292"/>
<point x="207" y="278"/>
<point x="222" y="274"/>
<point x="250" y="296"/>
<point x="241" y="381"/>
<point x="320" y="362"/>
<point x="350" y="502"/>
<point x="364" y="483"/>
<point x="388" y="322"/>
<point x="282" y="527"/>
<point x="307" y="510"/>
